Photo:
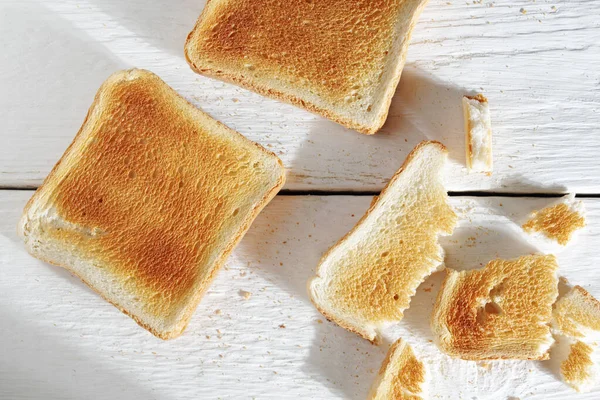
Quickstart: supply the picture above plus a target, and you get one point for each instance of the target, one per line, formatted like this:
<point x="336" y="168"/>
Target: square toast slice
<point x="149" y="200"/>
<point x="341" y="59"/>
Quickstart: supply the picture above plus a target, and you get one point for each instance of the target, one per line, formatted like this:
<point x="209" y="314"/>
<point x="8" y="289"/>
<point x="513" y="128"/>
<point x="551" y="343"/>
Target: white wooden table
<point x="538" y="62"/>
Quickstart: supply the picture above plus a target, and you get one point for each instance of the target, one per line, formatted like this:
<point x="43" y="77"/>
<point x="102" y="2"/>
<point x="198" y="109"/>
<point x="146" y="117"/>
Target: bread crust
<point x="297" y="93"/>
<point x="341" y="322"/>
<point x="92" y="129"/>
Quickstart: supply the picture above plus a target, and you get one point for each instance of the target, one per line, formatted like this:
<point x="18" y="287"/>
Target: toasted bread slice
<point x="578" y="370"/>
<point x="366" y="280"/>
<point x="557" y="224"/>
<point x="502" y="311"/>
<point x="148" y="200"/>
<point x="478" y="133"/>
<point x="338" y="58"/>
<point x="577" y="319"/>
<point x="401" y="376"/>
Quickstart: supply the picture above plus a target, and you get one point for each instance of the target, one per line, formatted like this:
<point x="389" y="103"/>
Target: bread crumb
<point x="246" y="295"/>
<point x="282" y="326"/>
<point x="218" y="312"/>
<point x="523" y="11"/>
<point x="319" y="321"/>
<point x="427" y="290"/>
<point x="485" y="365"/>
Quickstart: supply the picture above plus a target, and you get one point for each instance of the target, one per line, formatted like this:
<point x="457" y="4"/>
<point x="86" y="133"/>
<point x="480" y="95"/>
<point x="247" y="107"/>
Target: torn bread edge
<point x="400" y="360"/>
<point x="548" y="242"/>
<point x="576" y="341"/>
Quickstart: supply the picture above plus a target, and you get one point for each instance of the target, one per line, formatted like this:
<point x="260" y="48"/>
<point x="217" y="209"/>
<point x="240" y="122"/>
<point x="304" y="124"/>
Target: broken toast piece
<point x="556" y="225"/>
<point x="478" y="134"/>
<point x="577" y="320"/>
<point x="401" y="376"/>
<point x="501" y="311"/>
<point x="578" y="370"/>
<point x="367" y="279"/>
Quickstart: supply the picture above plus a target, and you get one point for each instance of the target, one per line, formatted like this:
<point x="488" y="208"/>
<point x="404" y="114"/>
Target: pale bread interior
<point x="501" y="311"/>
<point x="401" y="376"/>
<point x="367" y="279"/>
<point x="148" y="201"/>
<point x="478" y="133"/>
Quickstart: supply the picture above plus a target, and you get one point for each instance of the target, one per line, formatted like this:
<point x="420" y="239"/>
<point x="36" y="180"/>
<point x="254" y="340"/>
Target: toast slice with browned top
<point x="341" y="59"/>
<point x="148" y="201"/>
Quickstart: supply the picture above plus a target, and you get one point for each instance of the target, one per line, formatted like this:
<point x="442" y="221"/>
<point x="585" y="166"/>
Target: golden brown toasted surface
<point x="375" y="286"/>
<point x="401" y="375"/>
<point x="576" y="312"/>
<point x="370" y="275"/>
<point x="337" y="50"/>
<point x="557" y="222"/>
<point x="499" y="312"/>
<point x="155" y="192"/>
<point x="576" y="368"/>
<point x="328" y="43"/>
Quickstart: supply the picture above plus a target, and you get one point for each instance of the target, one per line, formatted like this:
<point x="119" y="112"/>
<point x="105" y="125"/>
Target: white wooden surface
<point x="537" y="61"/>
<point x="60" y="340"/>
<point x="540" y="70"/>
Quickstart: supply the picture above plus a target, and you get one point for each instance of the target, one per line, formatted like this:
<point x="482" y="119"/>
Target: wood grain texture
<point x="59" y="340"/>
<point x="539" y="68"/>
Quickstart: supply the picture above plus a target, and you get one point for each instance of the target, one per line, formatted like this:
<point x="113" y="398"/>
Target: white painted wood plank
<point x="540" y="71"/>
<point x="59" y="340"/>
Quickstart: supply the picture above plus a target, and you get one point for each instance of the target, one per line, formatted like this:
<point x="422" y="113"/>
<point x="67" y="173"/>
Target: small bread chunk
<point x="401" y="376"/>
<point x="341" y="59"/>
<point x="577" y="317"/>
<point x="578" y="370"/>
<point x="577" y="314"/>
<point x="502" y="311"/>
<point x="557" y="224"/>
<point x="478" y="133"/>
<point x="149" y="200"/>
<point x="367" y="279"/>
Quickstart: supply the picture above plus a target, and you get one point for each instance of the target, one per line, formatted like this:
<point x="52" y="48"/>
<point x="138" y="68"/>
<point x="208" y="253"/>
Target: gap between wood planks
<point x="472" y="193"/>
